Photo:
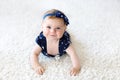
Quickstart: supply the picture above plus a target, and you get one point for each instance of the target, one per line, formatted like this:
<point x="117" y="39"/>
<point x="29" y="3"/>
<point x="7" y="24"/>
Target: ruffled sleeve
<point x="40" y="40"/>
<point x="64" y="42"/>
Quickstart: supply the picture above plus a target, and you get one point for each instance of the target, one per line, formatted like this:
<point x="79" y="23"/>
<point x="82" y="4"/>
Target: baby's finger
<point x="71" y="72"/>
<point x="74" y="72"/>
<point x="40" y="72"/>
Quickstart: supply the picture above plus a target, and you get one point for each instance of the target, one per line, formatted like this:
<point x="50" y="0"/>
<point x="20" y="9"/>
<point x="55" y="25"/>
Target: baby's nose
<point x="53" y="31"/>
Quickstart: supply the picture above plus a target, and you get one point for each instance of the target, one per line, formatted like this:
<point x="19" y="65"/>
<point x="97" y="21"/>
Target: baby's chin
<point x="52" y="38"/>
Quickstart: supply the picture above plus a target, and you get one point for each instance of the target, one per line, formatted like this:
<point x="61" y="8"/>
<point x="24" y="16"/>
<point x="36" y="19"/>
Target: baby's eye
<point x="58" y="28"/>
<point x="48" y="27"/>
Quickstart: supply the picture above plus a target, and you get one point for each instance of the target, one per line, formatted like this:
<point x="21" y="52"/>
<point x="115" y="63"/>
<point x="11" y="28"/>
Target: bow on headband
<point x="59" y="15"/>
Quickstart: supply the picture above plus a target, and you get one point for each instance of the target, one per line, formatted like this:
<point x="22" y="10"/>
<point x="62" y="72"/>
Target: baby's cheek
<point x="60" y="35"/>
<point x="45" y="34"/>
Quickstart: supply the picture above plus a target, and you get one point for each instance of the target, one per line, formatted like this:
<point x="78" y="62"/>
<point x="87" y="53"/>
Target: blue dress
<point x="64" y="43"/>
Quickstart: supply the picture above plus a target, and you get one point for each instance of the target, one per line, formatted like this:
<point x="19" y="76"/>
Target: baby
<point x="53" y="41"/>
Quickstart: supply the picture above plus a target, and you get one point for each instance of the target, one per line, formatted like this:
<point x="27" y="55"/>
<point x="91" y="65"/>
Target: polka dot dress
<point x="64" y="43"/>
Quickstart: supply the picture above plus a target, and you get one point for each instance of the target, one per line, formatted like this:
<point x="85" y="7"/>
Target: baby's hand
<point x="39" y="70"/>
<point x="74" y="71"/>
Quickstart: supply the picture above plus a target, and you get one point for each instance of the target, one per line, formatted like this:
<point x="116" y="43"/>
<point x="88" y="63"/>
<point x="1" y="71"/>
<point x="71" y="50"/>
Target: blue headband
<point x="59" y="15"/>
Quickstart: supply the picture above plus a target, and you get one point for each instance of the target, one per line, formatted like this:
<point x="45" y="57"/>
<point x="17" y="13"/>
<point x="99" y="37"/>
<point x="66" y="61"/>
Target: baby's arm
<point x="35" y="61"/>
<point x="75" y="60"/>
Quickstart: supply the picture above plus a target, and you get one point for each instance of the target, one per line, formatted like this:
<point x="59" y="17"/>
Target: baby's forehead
<point x="53" y="22"/>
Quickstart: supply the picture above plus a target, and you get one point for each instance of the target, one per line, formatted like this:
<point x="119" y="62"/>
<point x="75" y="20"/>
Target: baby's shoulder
<point x="66" y="37"/>
<point x="66" y="34"/>
<point x="41" y="36"/>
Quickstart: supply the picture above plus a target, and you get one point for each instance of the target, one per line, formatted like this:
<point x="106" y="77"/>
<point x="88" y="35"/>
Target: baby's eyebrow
<point x="58" y="27"/>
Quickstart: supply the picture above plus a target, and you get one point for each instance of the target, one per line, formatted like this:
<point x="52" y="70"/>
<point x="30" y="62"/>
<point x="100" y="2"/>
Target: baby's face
<point x="53" y="28"/>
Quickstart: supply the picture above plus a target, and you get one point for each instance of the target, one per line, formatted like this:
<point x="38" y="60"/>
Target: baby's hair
<point x="54" y="13"/>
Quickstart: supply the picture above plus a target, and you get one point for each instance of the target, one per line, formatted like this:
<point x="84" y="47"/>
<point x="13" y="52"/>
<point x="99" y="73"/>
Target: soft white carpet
<point x="95" y="29"/>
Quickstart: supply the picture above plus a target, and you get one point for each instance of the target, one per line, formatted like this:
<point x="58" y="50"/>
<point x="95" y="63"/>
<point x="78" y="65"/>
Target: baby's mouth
<point x="53" y="35"/>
